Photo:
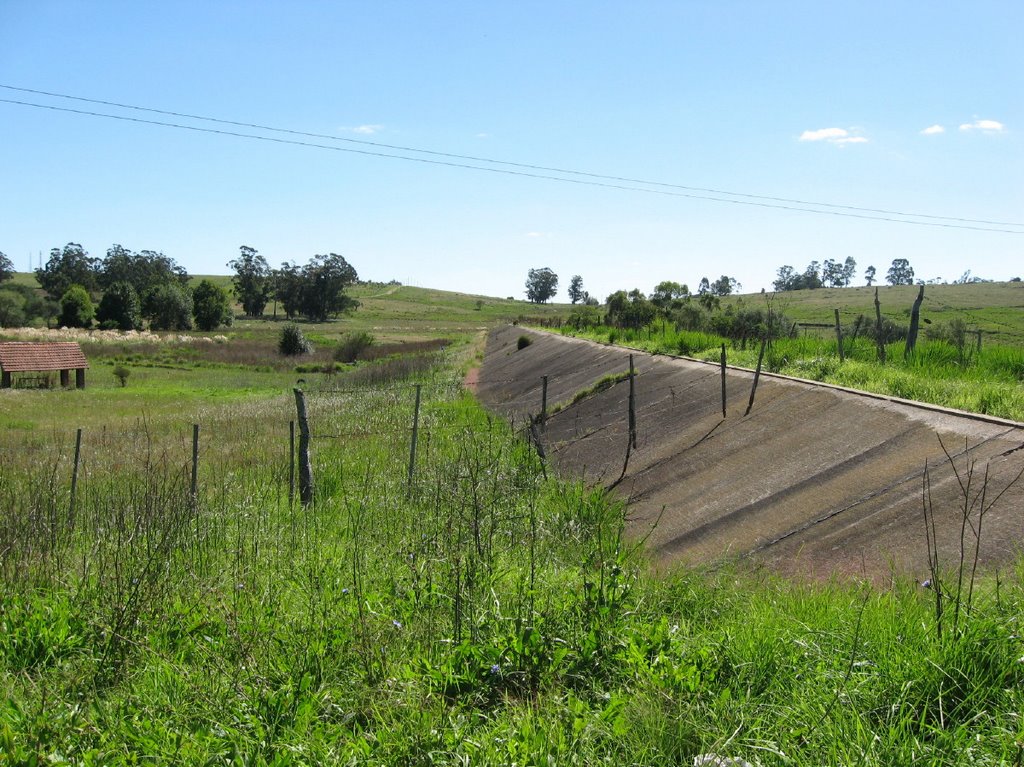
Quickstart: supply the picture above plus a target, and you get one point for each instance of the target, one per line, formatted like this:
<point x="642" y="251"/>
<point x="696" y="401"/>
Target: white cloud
<point x="987" y="126"/>
<point x="825" y="134"/>
<point x="838" y="136"/>
<point x="933" y="130"/>
<point x="367" y="130"/>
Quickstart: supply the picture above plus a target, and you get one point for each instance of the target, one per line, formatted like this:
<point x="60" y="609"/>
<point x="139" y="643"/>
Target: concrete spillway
<point x="814" y="480"/>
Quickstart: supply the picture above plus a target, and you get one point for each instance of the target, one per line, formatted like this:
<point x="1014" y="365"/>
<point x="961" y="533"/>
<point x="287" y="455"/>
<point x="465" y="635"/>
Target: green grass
<point x="996" y="308"/>
<point x="989" y="382"/>
<point x="481" y="615"/>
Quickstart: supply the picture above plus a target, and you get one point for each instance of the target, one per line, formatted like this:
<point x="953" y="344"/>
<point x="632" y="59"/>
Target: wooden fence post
<point x="723" y="380"/>
<point x="757" y="376"/>
<point x="195" y="462"/>
<point x="543" y="403"/>
<point x="305" y="465"/>
<point x="74" y="473"/>
<point x="415" y="434"/>
<point x="291" y="464"/>
<point x="915" y="321"/>
<point x="839" y="338"/>
<point x="878" y="329"/>
<point x="632" y="403"/>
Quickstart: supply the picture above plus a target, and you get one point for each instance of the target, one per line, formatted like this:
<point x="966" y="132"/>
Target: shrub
<point x="121" y="373"/>
<point x="523" y="342"/>
<point x="293" y="342"/>
<point x="351" y="346"/>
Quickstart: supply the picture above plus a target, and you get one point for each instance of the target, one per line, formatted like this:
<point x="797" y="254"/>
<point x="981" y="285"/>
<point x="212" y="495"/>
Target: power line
<point x="528" y="166"/>
<point x="584" y="180"/>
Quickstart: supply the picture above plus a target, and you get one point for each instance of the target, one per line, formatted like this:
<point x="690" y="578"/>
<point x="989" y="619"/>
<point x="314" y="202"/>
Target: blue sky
<point x="913" y="107"/>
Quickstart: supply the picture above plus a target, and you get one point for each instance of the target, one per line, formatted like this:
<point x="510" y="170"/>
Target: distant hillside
<point x="996" y="308"/>
<point x="401" y="311"/>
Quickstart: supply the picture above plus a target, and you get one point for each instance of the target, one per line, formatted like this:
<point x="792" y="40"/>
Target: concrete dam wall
<point x="814" y="481"/>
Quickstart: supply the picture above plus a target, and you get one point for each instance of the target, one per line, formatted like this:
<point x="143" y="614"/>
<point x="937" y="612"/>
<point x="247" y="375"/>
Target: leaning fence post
<point x="291" y="464"/>
<point x="632" y="404"/>
<point x="879" y="340"/>
<point x="195" y="462"/>
<point x="415" y="434"/>
<point x="74" y="473"/>
<point x="723" y="380"/>
<point x="757" y="376"/>
<point x="839" y="338"/>
<point x="305" y="466"/>
<point x="543" y="403"/>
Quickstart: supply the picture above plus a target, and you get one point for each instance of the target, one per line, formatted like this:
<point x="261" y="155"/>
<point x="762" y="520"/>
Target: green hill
<point x="995" y="308"/>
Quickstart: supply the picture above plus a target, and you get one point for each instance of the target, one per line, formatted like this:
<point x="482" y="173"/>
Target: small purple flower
<point x="927" y="583"/>
<point x="396" y="624"/>
<point x="344" y="591"/>
<point x="495" y="669"/>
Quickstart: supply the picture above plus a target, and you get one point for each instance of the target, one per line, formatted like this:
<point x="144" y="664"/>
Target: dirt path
<point x="816" y="480"/>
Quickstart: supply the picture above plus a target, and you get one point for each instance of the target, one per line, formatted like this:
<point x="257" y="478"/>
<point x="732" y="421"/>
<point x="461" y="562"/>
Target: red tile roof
<point x="19" y="356"/>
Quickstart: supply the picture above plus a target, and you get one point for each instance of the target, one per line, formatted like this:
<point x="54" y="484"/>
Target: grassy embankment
<point x="482" y="614"/>
<point x="939" y="372"/>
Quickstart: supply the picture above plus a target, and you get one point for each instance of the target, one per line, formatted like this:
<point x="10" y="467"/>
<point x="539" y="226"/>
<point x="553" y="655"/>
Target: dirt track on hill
<point x="814" y="481"/>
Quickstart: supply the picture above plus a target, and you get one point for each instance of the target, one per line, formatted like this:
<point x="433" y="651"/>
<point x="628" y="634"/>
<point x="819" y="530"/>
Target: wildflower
<point x="927" y="583"/>
<point x="396" y="624"/>
<point x="495" y="669"/>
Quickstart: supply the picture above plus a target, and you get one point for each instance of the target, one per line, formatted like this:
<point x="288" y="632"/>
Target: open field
<point x="484" y="612"/>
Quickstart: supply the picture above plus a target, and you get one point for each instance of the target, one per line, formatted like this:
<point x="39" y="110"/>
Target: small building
<point x="34" y="362"/>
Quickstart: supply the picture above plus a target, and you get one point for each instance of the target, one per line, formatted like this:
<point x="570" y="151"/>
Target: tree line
<point x="542" y="286"/>
<point x="315" y="290"/>
<point x="836" y="274"/>
<point x="125" y="290"/>
<point x="121" y="291"/>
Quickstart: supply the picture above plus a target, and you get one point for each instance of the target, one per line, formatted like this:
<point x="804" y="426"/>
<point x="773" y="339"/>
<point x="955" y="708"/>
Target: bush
<point x="121" y="373"/>
<point x="293" y="342"/>
<point x="523" y="342"/>
<point x="351" y="346"/>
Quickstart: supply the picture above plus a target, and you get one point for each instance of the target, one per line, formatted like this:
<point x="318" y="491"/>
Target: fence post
<point x="632" y="403"/>
<point x="305" y="466"/>
<point x="915" y="322"/>
<point x="839" y="338"/>
<point x="74" y="473"/>
<point x="723" y="380"/>
<point x="757" y="376"/>
<point x="978" y="331"/>
<point x="291" y="464"/>
<point x="543" y="403"/>
<point x="878" y="329"/>
<point x="195" y="462"/>
<point x="415" y="434"/>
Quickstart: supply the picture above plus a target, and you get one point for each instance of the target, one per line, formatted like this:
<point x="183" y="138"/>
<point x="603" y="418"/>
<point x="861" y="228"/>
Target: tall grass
<point x="481" y="614"/>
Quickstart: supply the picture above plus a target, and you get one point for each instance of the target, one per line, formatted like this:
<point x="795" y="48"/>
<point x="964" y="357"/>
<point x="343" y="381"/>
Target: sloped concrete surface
<point x="814" y="481"/>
